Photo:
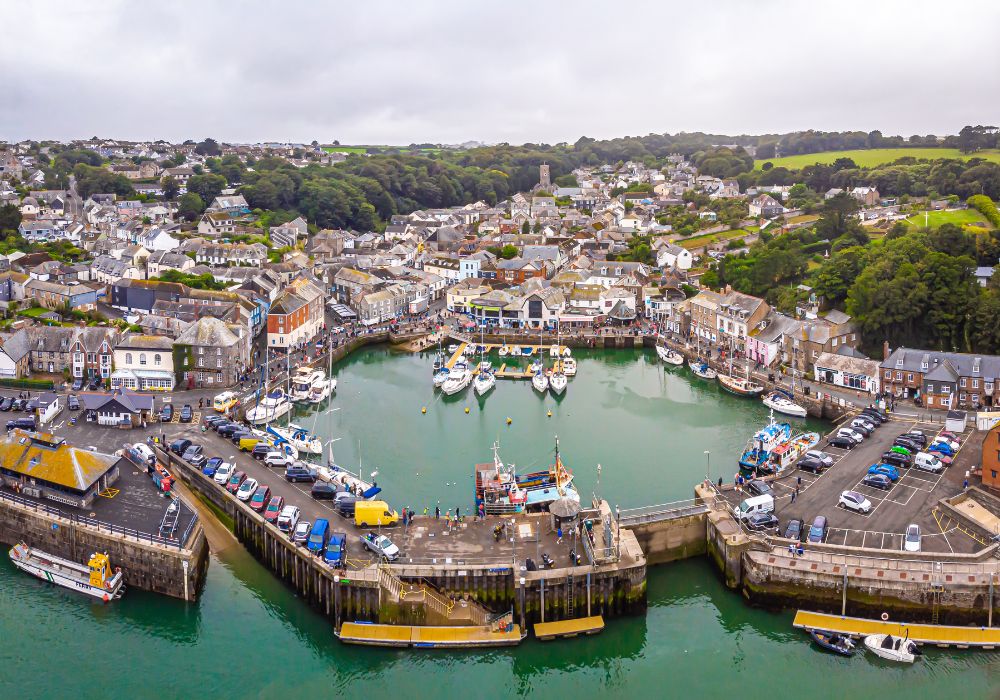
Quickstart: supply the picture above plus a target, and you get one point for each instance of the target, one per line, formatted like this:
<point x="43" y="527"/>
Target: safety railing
<point x="663" y="511"/>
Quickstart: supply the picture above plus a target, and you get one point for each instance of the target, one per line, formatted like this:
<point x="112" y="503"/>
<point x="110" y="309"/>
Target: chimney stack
<point x="885" y="350"/>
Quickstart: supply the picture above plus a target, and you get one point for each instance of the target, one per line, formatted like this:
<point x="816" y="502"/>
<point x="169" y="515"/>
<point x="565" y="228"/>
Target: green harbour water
<point x="250" y="637"/>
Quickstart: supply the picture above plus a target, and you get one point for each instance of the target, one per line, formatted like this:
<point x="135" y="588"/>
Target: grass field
<point x="713" y="238"/>
<point x="345" y="149"/>
<point x="966" y="218"/>
<point x="875" y="156"/>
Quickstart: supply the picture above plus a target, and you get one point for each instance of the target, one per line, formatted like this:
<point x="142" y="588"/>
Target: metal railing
<point x="663" y="511"/>
<point x="99" y="525"/>
<point x="929" y="566"/>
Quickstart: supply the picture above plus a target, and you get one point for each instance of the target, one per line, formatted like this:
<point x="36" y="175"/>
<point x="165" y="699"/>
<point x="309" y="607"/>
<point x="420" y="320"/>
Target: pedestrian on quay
<point x="456" y="514"/>
<point x="794" y="494"/>
<point x="559" y="534"/>
<point x="798" y="482"/>
<point x="437" y="512"/>
<point x="425" y="511"/>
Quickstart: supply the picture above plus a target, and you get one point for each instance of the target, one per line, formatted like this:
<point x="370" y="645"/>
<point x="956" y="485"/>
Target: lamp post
<point x="708" y="466"/>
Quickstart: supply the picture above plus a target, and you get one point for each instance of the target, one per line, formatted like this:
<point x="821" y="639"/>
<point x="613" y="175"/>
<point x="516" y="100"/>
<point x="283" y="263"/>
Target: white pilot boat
<point x="95" y="578"/>
<point x="899" y="649"/>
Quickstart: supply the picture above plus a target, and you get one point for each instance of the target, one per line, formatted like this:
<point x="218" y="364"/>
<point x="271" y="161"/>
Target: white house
<point x="144" y="362"/>
<point x="672" y="255"/>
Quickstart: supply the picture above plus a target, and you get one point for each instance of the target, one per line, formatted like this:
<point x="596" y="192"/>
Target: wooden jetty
<point x="423" y="637"/>
<point x="569" y="628"/>
<point x="938" y="635"/>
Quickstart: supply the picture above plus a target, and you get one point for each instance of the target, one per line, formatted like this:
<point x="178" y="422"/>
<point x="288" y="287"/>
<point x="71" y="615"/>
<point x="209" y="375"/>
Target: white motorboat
<point x="298" y="437"/>
<point x="569" y="367"/>
<point x="452" y="348"/>
<point x="483" y="382"/>
<point x="557" y="382"/>
<point x="782" y="404"/>
<point x="441" y="376"/>
<point x="322" y="390"/>
<point x="540" y="382"/>
<point x="554" y="351"/>
<point x="891" y="648"/>
<point x="95" y="578"/>
<point x="671" y="357"/>
<point x="270" y="408"/>
<point x="503" y="351"/>
<point x="459" y="378"/>
<point x="566" y="352"/>
<point x="302" y="383"/>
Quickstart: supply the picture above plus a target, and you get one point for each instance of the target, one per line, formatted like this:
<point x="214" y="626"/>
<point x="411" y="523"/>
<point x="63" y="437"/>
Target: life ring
<point x="885" y="616"/>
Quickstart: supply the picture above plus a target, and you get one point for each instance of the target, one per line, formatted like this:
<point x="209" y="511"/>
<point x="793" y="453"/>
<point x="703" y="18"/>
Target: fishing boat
<point x="781" y="403"/>
<point x="739" y="385"/>
<point x="500" y="490"/>
<point x="701" y="369"/>
<point x="837" y="643"/>
<point x="459" y="378"/>
<point x="441" y="376"/>
<point x="788" y="452"/>
<point x="270" y="408"/>
<point x="758" y="448"/>
<point x="891" y="648"/>
<point x="569" y="366"/>
<point x="298" y="437"/>
<point x="95" y="578"/>
<point x="540" y="382"/>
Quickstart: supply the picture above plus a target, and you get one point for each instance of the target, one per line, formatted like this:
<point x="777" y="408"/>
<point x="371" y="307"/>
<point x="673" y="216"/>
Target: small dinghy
<point x="837" y="643"/>
<point x="899" y="649"/>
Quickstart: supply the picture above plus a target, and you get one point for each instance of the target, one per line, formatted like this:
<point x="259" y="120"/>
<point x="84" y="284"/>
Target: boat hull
<point x="557" y="384"/>
<point x="259" y="415"/>
<point x="540" y="383"/>
<point x="786" y="407"/>
<point x="739" y="388"/>
<point x="902" y="651"/>
<point x="834" y="643"/>
<point x="484" y="387"/>
<point x="30" y="564"/>
<point x="703" y="371"/>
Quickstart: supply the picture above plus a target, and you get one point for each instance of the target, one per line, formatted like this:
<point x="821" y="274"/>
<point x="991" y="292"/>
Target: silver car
<point x="911" y="539"/>
<point x="824" y="459"/>
<point x="301" y="533"/>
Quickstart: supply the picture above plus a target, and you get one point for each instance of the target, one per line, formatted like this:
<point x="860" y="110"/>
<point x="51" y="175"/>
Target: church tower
<point x="543" y="176"/>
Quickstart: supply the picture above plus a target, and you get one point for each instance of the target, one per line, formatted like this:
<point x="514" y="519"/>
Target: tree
<point x="952" y="240"/>
<point x="838" y="218"/>
<point x="208" y="187"/>
<point x="525" y="228"/>
<point x="10" y="217"/>
<point x="190" y="206"/>
<point x="170" y="187"/>
<point x="208" y="147"/>
<point x="508" y="252"/>
<point x="836" y="275"/>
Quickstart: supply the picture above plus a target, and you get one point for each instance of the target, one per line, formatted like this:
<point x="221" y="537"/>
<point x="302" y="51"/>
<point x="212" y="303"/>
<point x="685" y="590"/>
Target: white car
<point x="301" y="533"/>
<point x="223" y="473"/>
<point x="277" y="459"/>
<point x="247" y="489"/>
<point x="381" y="545"/>
<point x="851" y="434"/>
<point x="866" y="424"/>
<point x="911" y="538"/>
<point x="852" y="500"/>
<point x="825" y="459"/>
<point x="288" y="518"/>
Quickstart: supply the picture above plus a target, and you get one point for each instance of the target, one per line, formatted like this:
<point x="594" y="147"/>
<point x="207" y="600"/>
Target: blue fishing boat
<point x="759" y="447"/>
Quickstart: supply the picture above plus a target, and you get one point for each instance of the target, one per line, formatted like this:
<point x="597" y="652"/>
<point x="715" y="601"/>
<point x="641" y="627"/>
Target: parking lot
<point x="910" y="499"/>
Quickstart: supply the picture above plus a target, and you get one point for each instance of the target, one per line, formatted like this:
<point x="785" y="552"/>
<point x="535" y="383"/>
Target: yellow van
<point x="248" y="443"/>
<point x="374" y="513"/>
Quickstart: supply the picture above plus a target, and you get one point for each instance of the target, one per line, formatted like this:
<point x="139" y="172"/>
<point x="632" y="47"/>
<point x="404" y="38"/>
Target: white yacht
<point x="441" y="376"/>
<point x="485" y="380"/>
<point x="540" y="382"/>
<point x="298" y="437"/>
<point x="557" y="382"/>
<point x="270" y="408"/>
<point x="782" y="404"/>
<point x="304" y="379"/>
<point x="458" y="379"/>
<point x="322" y="390"/>
<point x="569" y="366"/>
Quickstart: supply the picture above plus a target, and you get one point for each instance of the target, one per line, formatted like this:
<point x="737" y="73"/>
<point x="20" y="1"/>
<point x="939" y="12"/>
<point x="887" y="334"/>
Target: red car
<point x="260" y="498"/>
<point x="235" y="481"/>
<point x="273" y="509"/>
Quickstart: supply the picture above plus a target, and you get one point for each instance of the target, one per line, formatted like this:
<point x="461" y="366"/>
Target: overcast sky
<point x="381" y="71"/>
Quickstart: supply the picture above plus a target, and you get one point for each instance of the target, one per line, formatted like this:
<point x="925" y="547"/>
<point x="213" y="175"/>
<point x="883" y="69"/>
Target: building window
<point x="945" y="389"/>
<point x="899" y="376"/>
<point x="961" y="382"/>
<point x="930" y="388"/>
<point x="993" y="473"/>
<point x="975" y="383"/>
<point x="888" y="374"/>
<point x="909" y="377"/>
<point x="128" y="358"/>
<point x="157" y="360"/>
<point x="142" y="358"/>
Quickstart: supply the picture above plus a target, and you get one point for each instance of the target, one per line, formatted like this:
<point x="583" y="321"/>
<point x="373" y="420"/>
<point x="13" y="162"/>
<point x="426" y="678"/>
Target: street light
<point x="708" y="466"/>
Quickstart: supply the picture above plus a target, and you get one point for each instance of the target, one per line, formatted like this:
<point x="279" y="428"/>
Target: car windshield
<point x="912" y="534"/>
<point x="333" y="547"/>
<point x="316" y="538"/>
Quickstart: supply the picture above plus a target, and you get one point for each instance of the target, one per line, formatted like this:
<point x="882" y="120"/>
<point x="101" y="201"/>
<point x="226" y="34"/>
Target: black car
<point x="811" y="464"/>
<point x="260" y="450"/>
<point x="187" y="413"/>
<point x="879" y="481"/>
<point x="762" y="521"/>
<point x="190" y="452"/>
<point x="78" y="384"/>
<point x="167" y="413"/>
<point x="297" y="472"/>
<point x="6" y="403"/>
<point x="213" y="421"/>
<point x="841" y="441"/>
<point x="897" y="460"/>
<point x="793" y="530"/>
<point x="178" y="447"/>
<point x="239" y="435"/>
<point x="916" y="437"/>
<point x="863" y="429"/>
<point x="323" y="491"/>
<point x="911" y="445"/>
<point x="73" y="403"/>
<point x="19" y="404"/>
<point x="23" y="423"/>
<point x="759" y="488"/>
<point x="95" y="383"/>
<point x="872" y="416"/>
<point x="227" y="429"/>
<point x="877" y="412"/>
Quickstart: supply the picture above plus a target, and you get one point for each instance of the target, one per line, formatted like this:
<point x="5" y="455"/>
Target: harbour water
<point x="649" y="428"/>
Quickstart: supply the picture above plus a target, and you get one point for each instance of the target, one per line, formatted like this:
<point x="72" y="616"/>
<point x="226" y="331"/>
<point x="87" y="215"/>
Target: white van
<point x="144" y="450"/>
<point x="928" y="462"/>
<point x="757" y="504"/>
<point x="288" y="518"/>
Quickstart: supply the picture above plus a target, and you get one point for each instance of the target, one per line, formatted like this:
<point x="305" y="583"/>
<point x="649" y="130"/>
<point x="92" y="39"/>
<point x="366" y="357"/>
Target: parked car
<point x="260" y="498"/>
<point x="301" y="531"/>
<point x="887" y="469"/>
<point x="167" y="413"/>
<point x="260" y="450"/>
<point x="874" y="415"/>
<point x="911" y="538"/>
<point x="239" y="435"/>
<point x="179" y="446"/>
<point x="879" y="481"/>
<point x="336" y="549"/>
<point x="273" y="509"/>
<point x="236" y="480"/>
<point x="811" y="464"/>
<point x="22" y="423"/>
<point x="928" y="462"/>
<point x="187" y="413"/>
<point x="299" y="472"/>
<point x="757" y="487"/>
<point x="288" y="519"/>
<point x="95" y="383"/>
<point x="277" y="459"/>
<point x="247" y="489"/>
<point x="223" y="473"/>
<point x="73" y="403"/>
<point x="211" y="466"/>
<point x="191" y="451"/>
<point x="323" y="491"/>
<point x="817" y="532"/>
<point x="851" y="434"/>
<point x="226" y="430"/>
<point x="852" y="500"/>
<point x="318" y="535"/>
<point x="877" y="411"/>
<point x="866" y="429"/>
<point x="198" y="460"/>
<point x="19" y="405"/>
<point x="917" y="436"/>
<point x="949" y="435"/>
<point x="383" y="546"/>
<point x="793" y="529"/>
<point x="900" y="461"/>
<point x="6" y="402"/>
<point x="943" y="448"/>
<point x="910" y="445"/>
<point x="942" y="457"/>
<point x="77" y="384"/>
<point x="841" y="442"/>
<point x="213" y="421"/>
<point x="759" y="522"/>
<point x="823" y="457"/>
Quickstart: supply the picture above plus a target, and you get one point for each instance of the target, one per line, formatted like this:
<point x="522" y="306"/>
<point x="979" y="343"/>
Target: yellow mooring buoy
<point x="423" y="410"/>
<point x="509" y="421"/>
<point x="466" y="409"/>
<point x="550" y="414"/>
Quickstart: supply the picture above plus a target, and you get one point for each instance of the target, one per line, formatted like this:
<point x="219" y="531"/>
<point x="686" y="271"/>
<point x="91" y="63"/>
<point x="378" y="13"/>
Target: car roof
<point x="853" y="494"/>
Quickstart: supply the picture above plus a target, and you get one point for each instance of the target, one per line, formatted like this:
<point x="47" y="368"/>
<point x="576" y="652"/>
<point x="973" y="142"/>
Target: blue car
<point x="943" y="448"/>
<point x="211" y="466"/>
<point x="885" y="469"/>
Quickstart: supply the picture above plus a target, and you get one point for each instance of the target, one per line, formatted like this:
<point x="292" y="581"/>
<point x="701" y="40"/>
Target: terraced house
<point x="296" y="314"/>
<point x="942" y="379"/>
